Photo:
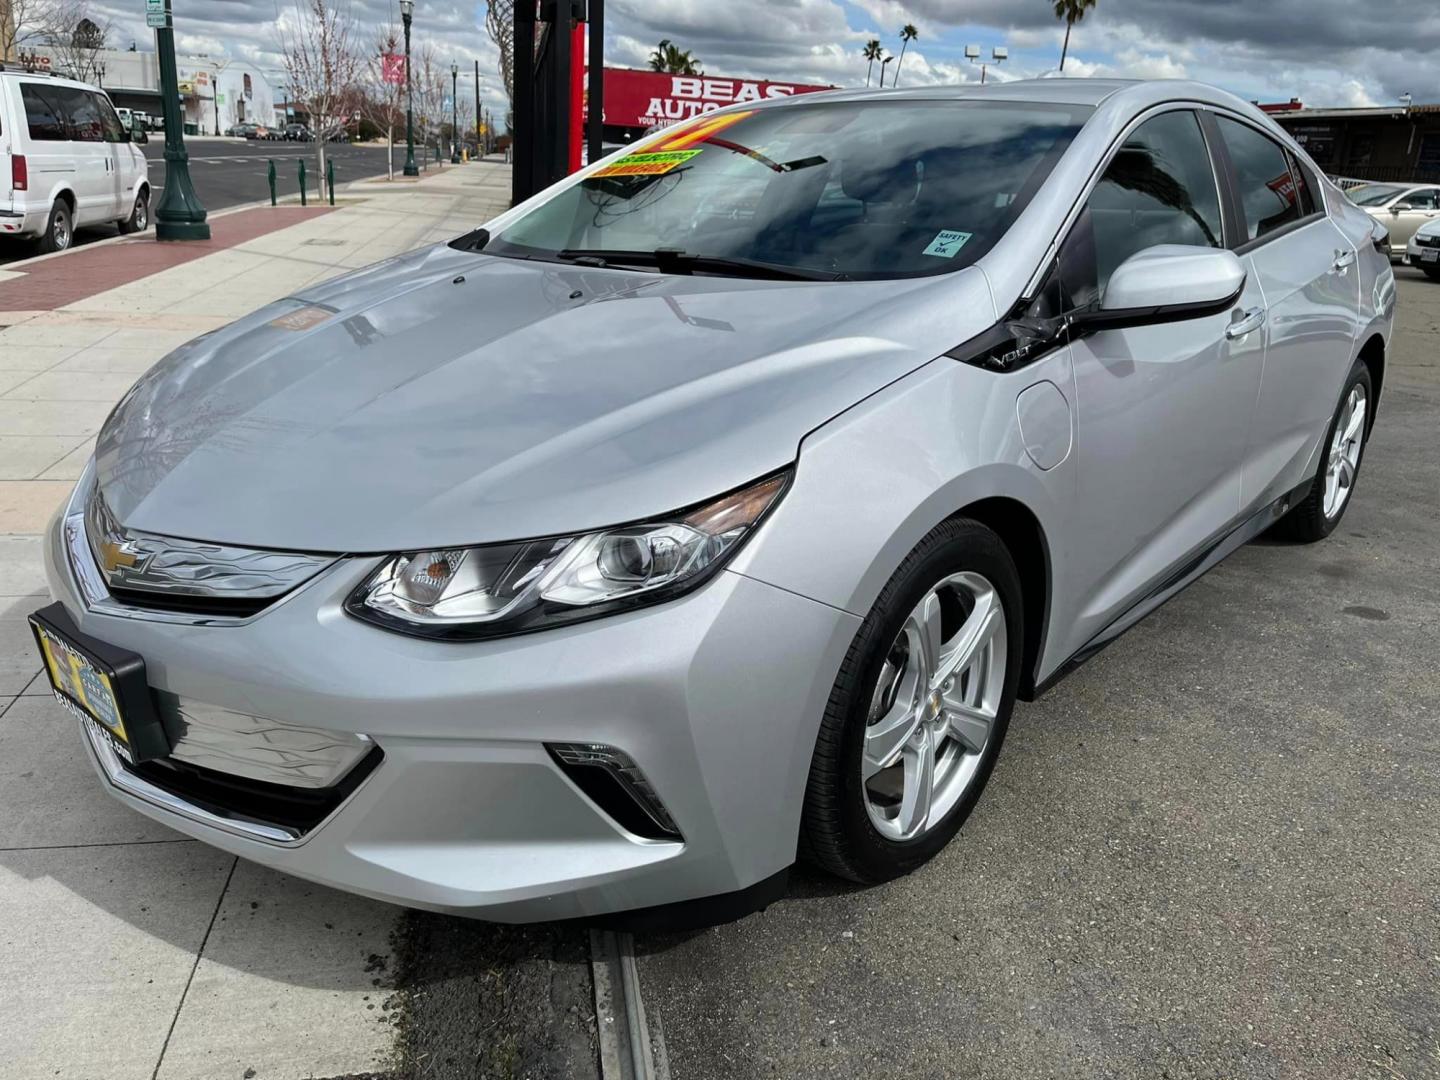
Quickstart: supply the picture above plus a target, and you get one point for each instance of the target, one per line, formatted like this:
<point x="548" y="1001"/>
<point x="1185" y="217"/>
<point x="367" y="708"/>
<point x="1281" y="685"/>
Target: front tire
<point x="139" y="219"/>
<point x="919" y="710"/>
<point x="59" y="229"/>
<point x="1317" y="516"/>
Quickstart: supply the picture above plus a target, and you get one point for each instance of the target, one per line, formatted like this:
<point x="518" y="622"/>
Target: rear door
<point x="1305" y="268"/>
<point x="1163" y="411"/>
<point x="94" y="160"/>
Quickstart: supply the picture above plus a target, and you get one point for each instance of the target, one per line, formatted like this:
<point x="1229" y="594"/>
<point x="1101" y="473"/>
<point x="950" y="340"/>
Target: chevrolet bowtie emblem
<point x="113" y="556"/>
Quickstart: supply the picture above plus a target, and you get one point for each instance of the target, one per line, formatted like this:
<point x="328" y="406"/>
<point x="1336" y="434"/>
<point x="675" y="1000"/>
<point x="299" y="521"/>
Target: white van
<point x="67" y="161"/>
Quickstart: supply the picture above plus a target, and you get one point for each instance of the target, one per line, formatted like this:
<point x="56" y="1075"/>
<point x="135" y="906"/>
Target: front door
<point x="1163" y="412"/>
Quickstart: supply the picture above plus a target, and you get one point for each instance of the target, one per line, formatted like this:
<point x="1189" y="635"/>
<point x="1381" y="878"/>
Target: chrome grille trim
<point x="257" y="748"/>
<point x="146" y="562"/>
<point x="184" y="574"/>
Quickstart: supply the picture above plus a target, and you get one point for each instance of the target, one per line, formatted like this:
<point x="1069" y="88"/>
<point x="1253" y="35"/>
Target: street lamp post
<point x="407" y="8"/>
<point x="479" y="145"/>
<point x="180" y="216"/>
<point x="454" y="113"/>
<point x="882" y="70"/>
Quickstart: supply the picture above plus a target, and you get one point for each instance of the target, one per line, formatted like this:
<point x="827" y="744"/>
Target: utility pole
<point x="479" y="128"/>
<point x="180" y="216"/>
<point x="454" y="113"/>
<point x="407" y="7"/>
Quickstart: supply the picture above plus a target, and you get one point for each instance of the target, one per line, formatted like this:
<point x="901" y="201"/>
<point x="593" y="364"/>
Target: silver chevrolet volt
<point x="712" y="508"/>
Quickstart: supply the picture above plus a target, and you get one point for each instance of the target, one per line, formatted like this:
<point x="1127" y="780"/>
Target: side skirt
<point x="1194" y="568"/>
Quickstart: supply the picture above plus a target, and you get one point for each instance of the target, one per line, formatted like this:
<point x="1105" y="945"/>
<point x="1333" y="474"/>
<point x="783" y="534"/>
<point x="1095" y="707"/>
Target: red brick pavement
<point x="86" y="271"/>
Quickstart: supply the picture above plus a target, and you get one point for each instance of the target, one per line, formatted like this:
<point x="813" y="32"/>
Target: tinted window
<point x="1267" y="188"/>
<point x="83" y="114"/>
<point x="861" y="189"/>
<point x="1158" y="189"/>
<point x="43" y="113"/>
<point x="1422" y="200"/>
<point x="111" y="124"/>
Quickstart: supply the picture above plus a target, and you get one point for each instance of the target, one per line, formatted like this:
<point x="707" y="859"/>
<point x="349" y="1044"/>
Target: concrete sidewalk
<point x="129" y="950"/>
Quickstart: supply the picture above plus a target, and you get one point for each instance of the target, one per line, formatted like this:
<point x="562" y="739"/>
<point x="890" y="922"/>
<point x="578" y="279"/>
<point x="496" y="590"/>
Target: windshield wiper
<point x="675" y="261"/>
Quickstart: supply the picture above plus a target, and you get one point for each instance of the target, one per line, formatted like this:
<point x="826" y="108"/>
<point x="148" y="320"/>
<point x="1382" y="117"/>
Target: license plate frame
<point x="1429" y="255"/>
<point x="80" y="667"/>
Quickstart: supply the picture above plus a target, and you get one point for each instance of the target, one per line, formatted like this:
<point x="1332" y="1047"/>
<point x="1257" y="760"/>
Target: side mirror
<point x="1395" y="208"/>
<point x="1166" y="283"/>
<point x="138" y="133"/>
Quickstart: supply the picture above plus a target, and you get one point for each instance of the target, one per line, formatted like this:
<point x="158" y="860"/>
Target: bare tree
<point x="23" y="22"/>
<point x="74" y="36"/>
<point x="384" y="102"/>
<point x="500" y="24"/>
<point x="431" y="87"/>
<point x="322" y="66"/>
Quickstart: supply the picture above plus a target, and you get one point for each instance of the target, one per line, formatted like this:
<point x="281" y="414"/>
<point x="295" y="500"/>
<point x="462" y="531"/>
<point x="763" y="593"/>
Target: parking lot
<point x="1211" y="852"/>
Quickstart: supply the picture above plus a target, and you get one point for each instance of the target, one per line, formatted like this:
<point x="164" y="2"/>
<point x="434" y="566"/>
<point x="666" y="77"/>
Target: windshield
<point x="1373" y="194"/>
<point x="839" y="189"/>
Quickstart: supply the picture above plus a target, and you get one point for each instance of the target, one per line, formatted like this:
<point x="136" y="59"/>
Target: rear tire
<point x="1317" y="515"/>
<point x="59" y="229"/>
<point x="955" y="598"/>
<point x="139" y="219"/>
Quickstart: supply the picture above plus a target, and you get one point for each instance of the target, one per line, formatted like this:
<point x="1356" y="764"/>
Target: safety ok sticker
<point x="947" y="242"/>
<point x="654" y="164"/>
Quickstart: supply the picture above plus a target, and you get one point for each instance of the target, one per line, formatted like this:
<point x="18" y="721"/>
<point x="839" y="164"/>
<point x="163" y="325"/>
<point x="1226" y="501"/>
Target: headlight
<point x="500" y="589"/>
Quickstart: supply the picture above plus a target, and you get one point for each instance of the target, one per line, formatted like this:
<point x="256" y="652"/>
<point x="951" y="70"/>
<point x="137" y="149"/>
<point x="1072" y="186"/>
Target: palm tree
<point x="1072" y="11"/>
<point x="670" y="58"/>
<point x="908" y="33"/>
<point x="872" y="53"/>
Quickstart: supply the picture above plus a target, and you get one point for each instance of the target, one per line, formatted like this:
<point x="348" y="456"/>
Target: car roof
<point x="47" y="78"/>
<point x="1132" y="94"/>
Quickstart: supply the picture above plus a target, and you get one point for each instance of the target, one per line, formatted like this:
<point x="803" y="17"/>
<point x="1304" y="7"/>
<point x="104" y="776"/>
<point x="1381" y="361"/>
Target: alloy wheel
<point x="934" y="706"/>
<point x="142" y="213"/>
<point x="1344" y="458"/>
<point x="60" y="232"/>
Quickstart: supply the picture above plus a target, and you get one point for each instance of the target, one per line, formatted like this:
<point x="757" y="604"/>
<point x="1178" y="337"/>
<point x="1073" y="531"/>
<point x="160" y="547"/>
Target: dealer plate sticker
<point x="947" y="242"/>
<point x="655" y="164"/>
<point x="80" y="685"/>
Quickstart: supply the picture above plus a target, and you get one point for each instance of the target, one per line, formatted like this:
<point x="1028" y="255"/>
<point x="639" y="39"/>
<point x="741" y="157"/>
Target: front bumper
<point x="717" y="697"/>
<point x="1415" y="254"/>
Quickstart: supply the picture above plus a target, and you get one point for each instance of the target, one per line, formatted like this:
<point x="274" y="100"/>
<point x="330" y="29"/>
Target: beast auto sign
<point x="653" y="99"/>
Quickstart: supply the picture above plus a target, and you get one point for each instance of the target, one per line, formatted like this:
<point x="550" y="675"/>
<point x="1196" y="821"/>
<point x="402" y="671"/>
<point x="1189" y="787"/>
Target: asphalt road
<point x="1212" y="852"/>
<point x="231" y="172"/>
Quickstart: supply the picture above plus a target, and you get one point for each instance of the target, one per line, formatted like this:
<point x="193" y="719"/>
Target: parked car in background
<point x="72" y="161"/>
<point x="1423" y="249"/>
<point x="741" y="486"/>
<point x="246" y="131"/>
<point x="1401" y="208"/>
<point x="297" y="133"/>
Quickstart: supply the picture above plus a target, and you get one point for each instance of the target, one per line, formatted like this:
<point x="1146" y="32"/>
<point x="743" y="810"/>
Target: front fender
<point x="873" y="481"/>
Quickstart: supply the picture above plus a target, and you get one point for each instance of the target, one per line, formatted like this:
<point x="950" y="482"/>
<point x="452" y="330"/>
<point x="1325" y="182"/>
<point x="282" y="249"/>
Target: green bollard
<point x="302" y="181"/>
<point x="272" y="181"/>
<point x="330" y="178"/>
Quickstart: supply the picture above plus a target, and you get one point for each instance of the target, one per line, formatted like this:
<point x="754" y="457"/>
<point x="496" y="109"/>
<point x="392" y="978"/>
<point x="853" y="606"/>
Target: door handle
<point x="1244" y="322"/>
<point x="1343" y="261"/>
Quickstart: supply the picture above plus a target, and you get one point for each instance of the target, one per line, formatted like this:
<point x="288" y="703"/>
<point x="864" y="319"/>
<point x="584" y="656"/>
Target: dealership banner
<point x="654" y="99"/>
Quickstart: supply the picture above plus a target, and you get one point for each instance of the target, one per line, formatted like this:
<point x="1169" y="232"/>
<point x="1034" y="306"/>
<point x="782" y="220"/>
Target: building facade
<point x="215" y="95"/>
<point x="1400" y="143"/>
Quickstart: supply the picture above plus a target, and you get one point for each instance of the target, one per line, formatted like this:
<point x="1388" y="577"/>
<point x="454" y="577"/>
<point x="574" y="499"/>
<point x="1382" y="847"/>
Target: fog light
<point x="615" y="783"/>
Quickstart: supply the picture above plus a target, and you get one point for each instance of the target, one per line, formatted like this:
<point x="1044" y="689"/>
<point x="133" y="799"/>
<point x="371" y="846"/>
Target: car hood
<point x="448" y="398"/>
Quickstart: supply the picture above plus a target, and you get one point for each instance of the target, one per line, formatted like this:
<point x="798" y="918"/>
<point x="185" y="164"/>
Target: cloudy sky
<point x="1326" y="52"/>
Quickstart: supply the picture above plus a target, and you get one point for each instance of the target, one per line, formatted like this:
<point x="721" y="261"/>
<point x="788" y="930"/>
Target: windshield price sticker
<point x="947" y="242"/>
<point x="656" y="164"/>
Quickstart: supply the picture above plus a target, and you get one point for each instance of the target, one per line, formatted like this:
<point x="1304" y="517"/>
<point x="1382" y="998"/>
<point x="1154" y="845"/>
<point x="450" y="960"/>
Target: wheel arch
<point x="1372" y="355"/>
<point x="1024" y="537"/>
